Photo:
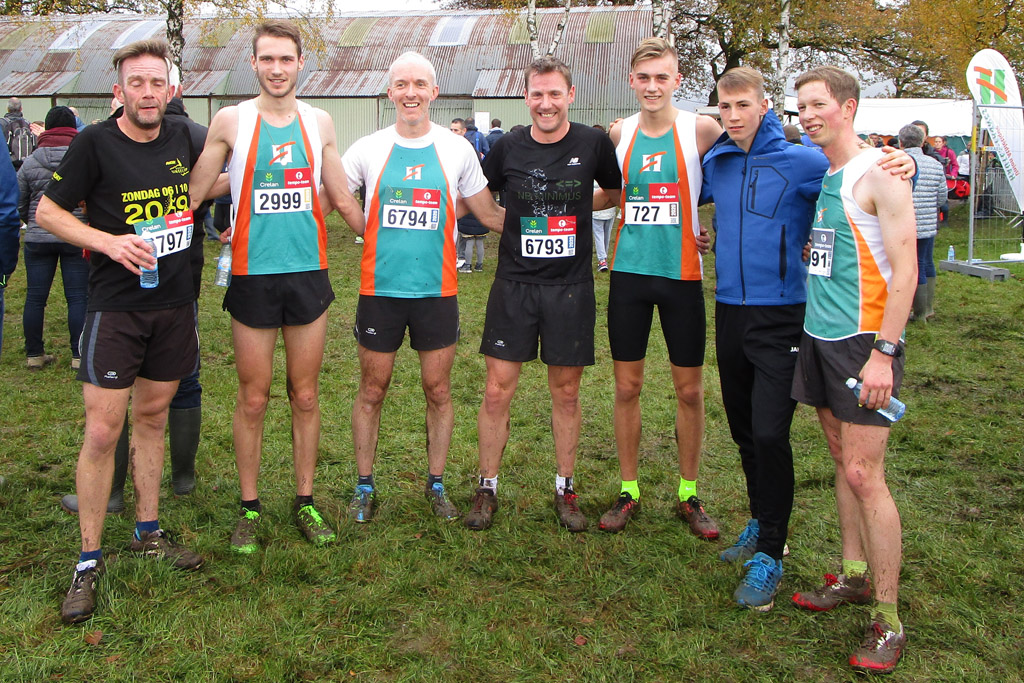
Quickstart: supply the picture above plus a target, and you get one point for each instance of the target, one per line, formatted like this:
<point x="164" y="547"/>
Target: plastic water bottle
<point x="223" y="278"/>
<point x="950" y="255"/>
<point x="892" y="412"/>
<point x="149" y="278"/>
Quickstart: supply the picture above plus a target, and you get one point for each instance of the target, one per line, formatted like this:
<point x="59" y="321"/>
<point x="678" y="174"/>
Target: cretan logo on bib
<point x="414" y="172"/>
<point x="652" y="162"/>
<point x="282" y="154"/>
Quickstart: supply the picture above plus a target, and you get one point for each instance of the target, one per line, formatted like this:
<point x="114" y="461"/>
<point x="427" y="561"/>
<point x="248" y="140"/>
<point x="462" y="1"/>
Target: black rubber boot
<point x="116" y="502"/>
<point x="183" y="425"/>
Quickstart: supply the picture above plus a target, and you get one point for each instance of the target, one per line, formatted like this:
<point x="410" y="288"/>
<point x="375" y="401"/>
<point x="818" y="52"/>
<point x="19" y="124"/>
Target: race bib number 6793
<point x="548" y="236"/>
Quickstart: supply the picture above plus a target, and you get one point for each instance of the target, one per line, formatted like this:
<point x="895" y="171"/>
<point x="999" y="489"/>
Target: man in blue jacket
<point x="10" y="226"/>
<point x="764" y="190"/>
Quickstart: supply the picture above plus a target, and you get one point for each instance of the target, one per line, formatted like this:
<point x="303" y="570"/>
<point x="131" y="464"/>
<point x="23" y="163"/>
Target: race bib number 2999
<point x="548" y="236"/>
<point x="287" y="191"/>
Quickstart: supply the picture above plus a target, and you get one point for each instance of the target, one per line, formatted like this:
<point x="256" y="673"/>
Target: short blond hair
<point x="742" y="78"/>
<point x="652" y="48"/>
<point x="841" y="85"/>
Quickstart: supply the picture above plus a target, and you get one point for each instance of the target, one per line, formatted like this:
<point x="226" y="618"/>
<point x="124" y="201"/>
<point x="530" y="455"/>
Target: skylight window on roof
<point x="140" y="30"/>
<point x="75" y="37"/>
<point x="453" y="31"/>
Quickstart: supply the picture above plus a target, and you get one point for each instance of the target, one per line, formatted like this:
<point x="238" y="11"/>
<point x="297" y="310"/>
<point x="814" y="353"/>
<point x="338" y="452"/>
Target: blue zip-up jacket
<point x="10" y="222"/>
<point x="764" y="206"/>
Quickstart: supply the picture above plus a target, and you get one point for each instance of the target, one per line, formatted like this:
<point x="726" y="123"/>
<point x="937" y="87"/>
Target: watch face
<point x="886" y="347"/>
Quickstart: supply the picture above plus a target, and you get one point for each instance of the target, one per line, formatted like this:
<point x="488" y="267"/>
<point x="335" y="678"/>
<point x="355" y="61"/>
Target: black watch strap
<point x="888" y="348"/>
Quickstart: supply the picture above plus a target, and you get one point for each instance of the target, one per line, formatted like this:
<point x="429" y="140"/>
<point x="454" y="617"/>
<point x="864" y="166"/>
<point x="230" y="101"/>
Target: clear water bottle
<point x="892" y="412"/>
<point x="223" y="278"/>
<point x="149" y="278"/>
<point x="951" y="255"/>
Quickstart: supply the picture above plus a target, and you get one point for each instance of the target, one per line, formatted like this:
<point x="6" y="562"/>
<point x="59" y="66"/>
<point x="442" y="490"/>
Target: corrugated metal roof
<point x="352" y="83"/>
<point x="35" y="82"/>
<point x="203" y="83"/>
<point x="358" y="48"/>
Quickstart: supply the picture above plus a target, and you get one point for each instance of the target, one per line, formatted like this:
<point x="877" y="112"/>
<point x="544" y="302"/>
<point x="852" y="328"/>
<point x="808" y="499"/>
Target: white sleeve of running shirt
<point x="471" y="174"/>
<point x="354" y="163"/>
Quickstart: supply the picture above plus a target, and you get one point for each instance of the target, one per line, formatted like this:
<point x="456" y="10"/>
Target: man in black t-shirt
<point x="544" y="286"/>
<point x="132" y="172"/>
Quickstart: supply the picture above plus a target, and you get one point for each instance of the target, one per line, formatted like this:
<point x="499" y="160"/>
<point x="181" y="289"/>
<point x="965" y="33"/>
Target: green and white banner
<point x="992" y="82"/>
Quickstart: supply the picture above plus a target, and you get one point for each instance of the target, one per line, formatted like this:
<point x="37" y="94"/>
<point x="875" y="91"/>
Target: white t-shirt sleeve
<point x="355" y="169"/>
<point x="471" y="175"/>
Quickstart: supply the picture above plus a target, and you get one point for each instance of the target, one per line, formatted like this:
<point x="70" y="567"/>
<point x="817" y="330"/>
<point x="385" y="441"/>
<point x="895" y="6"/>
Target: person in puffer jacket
<point x="43" y="251"/>
<point x="764" y="190"/>
<point x="929" y="196"/>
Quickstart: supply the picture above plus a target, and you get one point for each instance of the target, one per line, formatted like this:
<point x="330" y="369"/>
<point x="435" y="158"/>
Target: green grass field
<point x="407" y="598"/>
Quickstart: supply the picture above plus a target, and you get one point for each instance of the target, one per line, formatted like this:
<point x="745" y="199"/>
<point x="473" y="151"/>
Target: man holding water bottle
<point x="132" y="172"/>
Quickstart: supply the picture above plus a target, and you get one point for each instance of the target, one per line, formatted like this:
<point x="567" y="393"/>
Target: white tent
<point x="886" y="115"/>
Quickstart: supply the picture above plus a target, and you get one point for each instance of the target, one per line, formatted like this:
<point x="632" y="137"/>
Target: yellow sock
<point x="687" y="488"/>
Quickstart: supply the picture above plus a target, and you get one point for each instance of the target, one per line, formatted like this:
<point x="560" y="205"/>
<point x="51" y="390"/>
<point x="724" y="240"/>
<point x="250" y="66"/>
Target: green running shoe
<point x="244" y="539"/>
<point x="313" y="526"/>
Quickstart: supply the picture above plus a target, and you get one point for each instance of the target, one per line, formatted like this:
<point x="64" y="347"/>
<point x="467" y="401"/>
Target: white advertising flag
<point x="992" y="82"/>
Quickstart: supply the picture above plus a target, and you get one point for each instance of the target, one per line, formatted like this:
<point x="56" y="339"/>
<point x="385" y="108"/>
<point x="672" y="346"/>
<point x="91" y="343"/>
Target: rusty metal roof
<point x="476" y="53"/>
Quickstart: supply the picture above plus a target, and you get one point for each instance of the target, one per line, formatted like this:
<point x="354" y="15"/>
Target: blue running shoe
<point x="758" y="588"/>
<point x="363" y="504"/>
<point x="743" y="549"/>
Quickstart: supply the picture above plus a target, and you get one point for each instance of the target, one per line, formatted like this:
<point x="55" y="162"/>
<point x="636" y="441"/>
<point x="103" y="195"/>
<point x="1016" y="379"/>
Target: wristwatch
<point x="888" y="348"/>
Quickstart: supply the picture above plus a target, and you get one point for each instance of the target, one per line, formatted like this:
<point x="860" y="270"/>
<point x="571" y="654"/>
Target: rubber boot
<point x="919" y="306"/>
<point x="183" y="425"/>
<point x="116" y="502"/>
<point x="929" y="311"/>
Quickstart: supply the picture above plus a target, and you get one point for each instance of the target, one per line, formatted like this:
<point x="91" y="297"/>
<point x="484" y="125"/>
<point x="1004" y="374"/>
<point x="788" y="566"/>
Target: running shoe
<point x="855" y="590"/>
<point x="602" y="266"/>
<point x="743" y="549"/>
<point x="363" y="504"/>
<point x="465" y="269"/>
<point x="482" y="509"/>
<point x="39" y="362"/>
<point x="758" y="588"/>
<point x="618" y="516"/>
<point x="443" y="508"/>
<point x="80" y="602"/>
<point x="313" y="526"/>
<point x="244" y="538"/>
<point x="880" y="650"/>
<point x="159" y="545"/>
<point x="692" y="512"/>
<point x="568" y="510"/>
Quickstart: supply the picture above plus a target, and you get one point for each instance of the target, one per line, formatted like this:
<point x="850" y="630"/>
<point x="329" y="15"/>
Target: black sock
<point x="365" y="481"/>
<point x="253" y="505"/>
<point x="302" y="501"/>
<point x="434" y="479"/>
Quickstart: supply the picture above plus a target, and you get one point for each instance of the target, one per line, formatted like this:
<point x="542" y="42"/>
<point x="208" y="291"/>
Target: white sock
<point x="489" y="483"/>
<point x="562" y="483"/>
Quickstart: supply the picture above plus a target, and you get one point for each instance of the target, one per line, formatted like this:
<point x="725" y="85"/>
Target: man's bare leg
<point x="564" y="385"/>
<point x="689" y="386"/>
<point x="435" y="374"/>
<point x="629" y="381"/>
<point x="304" y="355"/>
<point x="150" y="401"/>
<point x="375" y="370"/>
<point x="254" y="362"/>
<point x="104" y="417"/>
<point x="495" y="412"/>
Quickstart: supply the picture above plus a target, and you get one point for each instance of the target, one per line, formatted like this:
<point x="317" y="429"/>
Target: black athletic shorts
<point x="822" y="369"/>
<point x="631" y="302"/>
<point x="560" y="316"/>
<point x="118" y="346"/>
<point x="381" y="321"/>
<point x="273" y="301"/>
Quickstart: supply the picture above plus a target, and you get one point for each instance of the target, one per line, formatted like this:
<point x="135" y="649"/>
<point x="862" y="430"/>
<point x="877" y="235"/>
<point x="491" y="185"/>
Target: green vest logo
<point x="992" y="84"/>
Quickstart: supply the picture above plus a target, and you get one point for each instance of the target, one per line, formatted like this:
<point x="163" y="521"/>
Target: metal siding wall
<point x="353" y="117"/>
<point x="510" y="111"/>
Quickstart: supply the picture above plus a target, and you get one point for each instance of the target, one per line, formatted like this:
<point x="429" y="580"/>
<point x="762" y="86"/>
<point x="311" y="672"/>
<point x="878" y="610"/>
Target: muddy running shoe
<point x="159" y="544"/>
<point x="692" y="512"/>
<point x="837" y="590"/>
<point x="39" y="362"/>
<point x="743" y="549"/>
<point x="80" y="602"/>
<point x="243" y="539"/>
<point x="439" y="503"/>
<point x="880" y="650"/>
<point x="363" y="504"/>
<point x="313" y="526"/>
<point x="482" y="509"/>
<point x="618" y="516"/>
<point x="568" y="510"/>
<point x="761" y="583"/>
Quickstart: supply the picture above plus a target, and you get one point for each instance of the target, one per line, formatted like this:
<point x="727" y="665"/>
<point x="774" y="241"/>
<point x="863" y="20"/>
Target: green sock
<point x="687" y="488"/>
<point x="632" y="488"/>
<point x="887" y="611"/>
<point x="855" y="568"/>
